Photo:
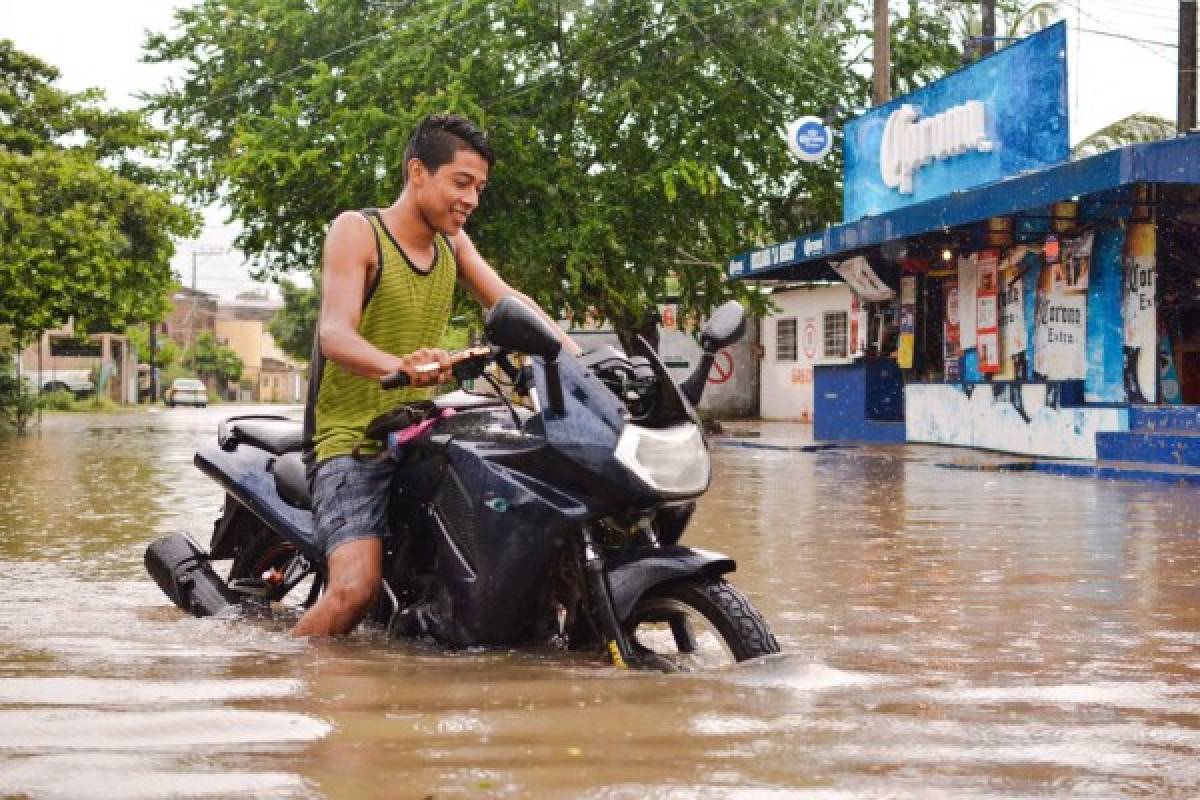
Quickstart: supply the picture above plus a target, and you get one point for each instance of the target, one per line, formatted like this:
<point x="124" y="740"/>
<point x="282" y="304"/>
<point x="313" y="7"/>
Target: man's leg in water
<point x="355" y="573"/>
<point x="350" y="501"/>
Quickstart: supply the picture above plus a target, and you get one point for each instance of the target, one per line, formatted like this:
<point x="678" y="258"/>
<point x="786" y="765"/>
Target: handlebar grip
<point x="396" y="380"/>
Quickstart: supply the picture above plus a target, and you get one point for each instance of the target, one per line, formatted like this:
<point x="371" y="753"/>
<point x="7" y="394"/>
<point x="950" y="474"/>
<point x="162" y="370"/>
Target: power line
<point x="1127" y="38"/>
<point x="733" y="64"/>
<point x="357" y="43"/>
<point x="599" y="51"/>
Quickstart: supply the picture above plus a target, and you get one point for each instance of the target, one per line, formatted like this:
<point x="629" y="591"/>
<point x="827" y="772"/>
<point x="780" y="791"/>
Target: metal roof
<point x="1175" y="161"/>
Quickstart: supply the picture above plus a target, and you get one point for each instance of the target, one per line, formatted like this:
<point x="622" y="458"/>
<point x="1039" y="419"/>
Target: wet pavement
<point x="947" y="633"/>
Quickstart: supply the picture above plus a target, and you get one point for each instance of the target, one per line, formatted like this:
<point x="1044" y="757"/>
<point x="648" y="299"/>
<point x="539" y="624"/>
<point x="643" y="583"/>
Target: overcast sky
<point x="98" y="44"/>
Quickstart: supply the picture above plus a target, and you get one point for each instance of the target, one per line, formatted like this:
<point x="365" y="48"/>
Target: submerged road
<point x="947" y="633"/>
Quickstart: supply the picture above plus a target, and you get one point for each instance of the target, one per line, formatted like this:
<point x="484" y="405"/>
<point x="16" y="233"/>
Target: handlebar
<point x="461" y="362"/>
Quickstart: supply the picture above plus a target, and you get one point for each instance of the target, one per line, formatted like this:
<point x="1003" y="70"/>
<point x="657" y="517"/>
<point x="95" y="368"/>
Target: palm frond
<point x="1134" y="129"/>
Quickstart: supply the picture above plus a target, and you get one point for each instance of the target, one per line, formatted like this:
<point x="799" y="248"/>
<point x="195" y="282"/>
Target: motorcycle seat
<point x="277" y="435"/>
<point x="291" y="481"/>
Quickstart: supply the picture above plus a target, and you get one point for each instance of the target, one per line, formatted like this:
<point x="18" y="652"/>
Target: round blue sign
<point x="809" y="139"/>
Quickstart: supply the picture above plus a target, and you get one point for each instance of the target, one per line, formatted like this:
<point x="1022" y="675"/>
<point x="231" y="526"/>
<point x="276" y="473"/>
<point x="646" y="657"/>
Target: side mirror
<point x="724" y="327"/>
<point x="513" y="325"/>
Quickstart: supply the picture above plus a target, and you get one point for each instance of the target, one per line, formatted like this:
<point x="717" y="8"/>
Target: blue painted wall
<point x="1105" y="334"/>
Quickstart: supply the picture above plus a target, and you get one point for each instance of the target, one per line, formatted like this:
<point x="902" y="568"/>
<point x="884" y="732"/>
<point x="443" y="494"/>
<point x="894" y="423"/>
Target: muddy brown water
<point x="948" y="633"/>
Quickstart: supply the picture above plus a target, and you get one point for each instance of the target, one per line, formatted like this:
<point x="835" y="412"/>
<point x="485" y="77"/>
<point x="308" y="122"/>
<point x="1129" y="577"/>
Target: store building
<point x="1015" y="300"/>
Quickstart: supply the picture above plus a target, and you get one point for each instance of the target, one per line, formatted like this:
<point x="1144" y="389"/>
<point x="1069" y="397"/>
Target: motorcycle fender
<point x="633" y="574"/>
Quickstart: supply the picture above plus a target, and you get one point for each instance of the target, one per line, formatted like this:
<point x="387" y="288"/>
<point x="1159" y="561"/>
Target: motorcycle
<point x="547" y="512"/>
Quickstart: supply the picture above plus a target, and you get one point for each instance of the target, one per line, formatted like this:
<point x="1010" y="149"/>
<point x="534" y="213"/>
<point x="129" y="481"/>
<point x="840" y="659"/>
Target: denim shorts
<point x="350" y="500"/>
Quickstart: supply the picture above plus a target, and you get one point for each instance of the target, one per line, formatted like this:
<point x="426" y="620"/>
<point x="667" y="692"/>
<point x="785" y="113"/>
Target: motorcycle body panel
<point x="246" y="475"/>
<point x="499" y="531"/>
<point x="638" y="570"/>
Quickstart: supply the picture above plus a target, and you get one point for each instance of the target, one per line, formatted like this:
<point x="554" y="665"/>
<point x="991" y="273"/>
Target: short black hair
<point x="438" y="137"/>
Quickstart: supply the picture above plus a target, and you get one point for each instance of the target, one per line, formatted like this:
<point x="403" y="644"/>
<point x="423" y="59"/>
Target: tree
<point x="1134" y="129"/>
<point x="1014" y="19"/>
<point x="85" y="223"/>
<point x="166" y="352"/>
<point x="640" y="142"/>
<point x="294" y="324"/>
<point x="209" y="357"/>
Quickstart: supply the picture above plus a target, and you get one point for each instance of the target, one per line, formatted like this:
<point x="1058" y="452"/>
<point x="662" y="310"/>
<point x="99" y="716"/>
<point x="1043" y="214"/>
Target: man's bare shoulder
<point x="350" y="237"/>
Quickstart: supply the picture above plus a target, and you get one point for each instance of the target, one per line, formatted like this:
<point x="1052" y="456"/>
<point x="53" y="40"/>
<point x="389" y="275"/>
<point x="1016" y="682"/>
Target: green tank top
<point x="406" y="309"/>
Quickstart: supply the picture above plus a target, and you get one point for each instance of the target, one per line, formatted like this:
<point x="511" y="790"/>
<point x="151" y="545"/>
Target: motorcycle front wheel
<point x="697" y="624"/>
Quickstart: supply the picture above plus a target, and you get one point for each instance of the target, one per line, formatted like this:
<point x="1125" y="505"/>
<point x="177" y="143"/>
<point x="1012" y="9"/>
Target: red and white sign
<point x="722" y="368"/>
<point x="987" y="311"/>
<point x="810" y="338"/>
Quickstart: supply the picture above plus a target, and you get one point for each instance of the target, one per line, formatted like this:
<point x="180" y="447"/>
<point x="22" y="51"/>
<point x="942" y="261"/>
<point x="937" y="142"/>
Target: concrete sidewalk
<point x="798" y="437"/>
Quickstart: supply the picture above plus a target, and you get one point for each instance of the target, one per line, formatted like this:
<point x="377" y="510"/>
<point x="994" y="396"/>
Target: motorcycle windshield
<point x="588" y="428"/>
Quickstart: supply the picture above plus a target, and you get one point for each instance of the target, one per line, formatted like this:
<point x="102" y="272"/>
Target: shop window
<point x="835" y="334"/>
<point x="785" y="340"/>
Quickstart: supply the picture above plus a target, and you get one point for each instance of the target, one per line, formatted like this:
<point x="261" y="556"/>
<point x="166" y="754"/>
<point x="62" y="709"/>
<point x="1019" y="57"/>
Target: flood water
<point x="947" y="633"/>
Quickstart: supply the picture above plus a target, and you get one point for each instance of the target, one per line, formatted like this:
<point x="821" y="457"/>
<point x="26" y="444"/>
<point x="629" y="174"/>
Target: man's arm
<point x="348" y="264"/>
<point x="488" y="287"/>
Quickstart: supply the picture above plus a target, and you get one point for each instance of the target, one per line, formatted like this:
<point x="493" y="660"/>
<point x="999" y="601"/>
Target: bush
<point x="17" y="401"/>
<point x="95" y="403"/>
<point x="59" y="400"/>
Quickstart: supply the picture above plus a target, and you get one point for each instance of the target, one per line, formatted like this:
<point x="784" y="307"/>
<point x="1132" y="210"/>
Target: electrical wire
<point x="353" y="45"/>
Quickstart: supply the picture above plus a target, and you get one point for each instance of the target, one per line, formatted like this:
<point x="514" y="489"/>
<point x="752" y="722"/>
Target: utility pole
<point x="1187" y="66"/>
<point x="988" y="32"/>
<point x="196" y="253"/>
<point x="881" y="90"/>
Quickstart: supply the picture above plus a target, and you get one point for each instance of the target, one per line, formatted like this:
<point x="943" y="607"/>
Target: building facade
<point x="1030" y="304"/>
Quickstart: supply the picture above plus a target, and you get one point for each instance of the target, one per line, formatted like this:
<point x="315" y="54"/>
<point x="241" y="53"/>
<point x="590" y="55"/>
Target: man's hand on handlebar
<point x="431" y="367"/>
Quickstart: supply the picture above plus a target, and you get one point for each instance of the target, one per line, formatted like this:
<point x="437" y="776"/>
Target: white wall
<point x="732" y="388"/>
<point x="786" y="387"/>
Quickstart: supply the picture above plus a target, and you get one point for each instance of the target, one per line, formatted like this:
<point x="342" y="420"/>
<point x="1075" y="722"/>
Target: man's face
<point x="448" y="196"/>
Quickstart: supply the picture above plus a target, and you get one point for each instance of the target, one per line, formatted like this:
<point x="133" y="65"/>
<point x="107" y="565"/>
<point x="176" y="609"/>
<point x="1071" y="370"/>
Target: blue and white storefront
<point x="1024" y="302"/>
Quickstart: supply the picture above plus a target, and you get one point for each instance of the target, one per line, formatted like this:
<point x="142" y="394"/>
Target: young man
<point x="387" y="280"/>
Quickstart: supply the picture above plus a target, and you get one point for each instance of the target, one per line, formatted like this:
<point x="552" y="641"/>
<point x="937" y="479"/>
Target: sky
<point x="1121" y="55"/>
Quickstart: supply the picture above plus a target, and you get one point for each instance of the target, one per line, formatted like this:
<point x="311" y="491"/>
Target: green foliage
<point x="209" y="357"/>
<point x="17" y="400"/>
<point x="1134" y="129"/>
<point x="59" y="400"/>
<point x="293" y="325"/>
<point x="1014" y="19"/>
<point x="166" y="351"/>
<point x="85" y="224"/>
<point x="640" y="143"/>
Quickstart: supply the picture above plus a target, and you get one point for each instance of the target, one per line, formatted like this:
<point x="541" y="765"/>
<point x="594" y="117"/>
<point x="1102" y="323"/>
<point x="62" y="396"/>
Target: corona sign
<point x="910" y="143"/>
<point x="1001" y="116"/>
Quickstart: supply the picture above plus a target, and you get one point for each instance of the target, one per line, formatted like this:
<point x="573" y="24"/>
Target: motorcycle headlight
<point x="672" y="460"/>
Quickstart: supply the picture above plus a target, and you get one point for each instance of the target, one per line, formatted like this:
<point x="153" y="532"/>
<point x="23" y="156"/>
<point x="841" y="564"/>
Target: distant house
<point x="192" y="313"/>
<point x="268" y="374"/>
<point x="101" y="363"/>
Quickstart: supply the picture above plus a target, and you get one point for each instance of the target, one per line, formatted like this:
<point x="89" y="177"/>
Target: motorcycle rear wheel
<point x="697" y="624"/>
<point x="261" y="553"/>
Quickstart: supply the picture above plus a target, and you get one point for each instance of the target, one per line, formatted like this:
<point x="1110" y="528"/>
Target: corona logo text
<point x="910" y="143"/>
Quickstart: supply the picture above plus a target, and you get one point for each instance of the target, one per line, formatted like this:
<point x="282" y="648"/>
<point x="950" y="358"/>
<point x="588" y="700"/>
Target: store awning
<point x="1176" y="161"/>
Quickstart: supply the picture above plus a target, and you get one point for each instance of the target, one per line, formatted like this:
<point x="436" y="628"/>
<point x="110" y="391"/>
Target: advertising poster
<point x="1060" y="325"/>
<point x="1168" y="378"/>
<point x="1014" y="342"/>
<point x="950" y="331"/>
<point x="1140" y="315"/>
<point x="987" y="311"/>
<point x="966" y="302"/>
<point x="908" y="318"/>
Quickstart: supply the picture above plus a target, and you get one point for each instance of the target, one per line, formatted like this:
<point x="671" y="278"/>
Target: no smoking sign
<point x="810" y="339"/>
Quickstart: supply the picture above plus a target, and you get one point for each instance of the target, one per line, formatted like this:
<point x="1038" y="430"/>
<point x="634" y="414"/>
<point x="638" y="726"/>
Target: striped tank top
<point x="405" y="309"/>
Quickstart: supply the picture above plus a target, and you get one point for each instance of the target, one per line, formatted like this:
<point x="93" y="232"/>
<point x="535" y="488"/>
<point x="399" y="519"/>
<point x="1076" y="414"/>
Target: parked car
<point x="186" y="392"/>
<point x="79" y="388"/>
<point x="76" y="381"/>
